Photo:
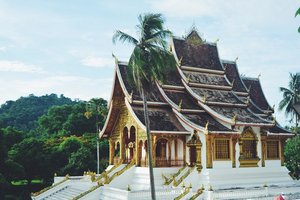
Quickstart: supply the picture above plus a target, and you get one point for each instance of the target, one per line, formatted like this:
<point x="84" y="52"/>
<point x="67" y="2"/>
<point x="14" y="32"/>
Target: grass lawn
<point x="24" y="182"/>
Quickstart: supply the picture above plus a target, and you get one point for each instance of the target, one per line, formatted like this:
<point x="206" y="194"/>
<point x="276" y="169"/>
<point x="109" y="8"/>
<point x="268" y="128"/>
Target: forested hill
<point x="24" y="112"/>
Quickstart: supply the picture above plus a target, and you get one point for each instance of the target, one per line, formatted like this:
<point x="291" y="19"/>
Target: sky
<point x="65" y="47"/>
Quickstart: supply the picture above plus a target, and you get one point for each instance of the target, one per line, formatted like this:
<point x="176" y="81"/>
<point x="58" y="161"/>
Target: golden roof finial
<point x="232" y="82"/>
<point x="236" y="59"/>
<point x="248" y="100"/>
<point x="273" y="107"/>
<point x="180" y="104"/>
<point x="205" y="98"/>
<point x="131" y="94"/>
<point x="234" y="118"/>
<point x="259" y="75"/>
<point x="206" y="125"/>
<point x="179" y="62"/>
<point x="189" y="78"/>
<point x="170" y="47"/>
<point x="274" y="120"/>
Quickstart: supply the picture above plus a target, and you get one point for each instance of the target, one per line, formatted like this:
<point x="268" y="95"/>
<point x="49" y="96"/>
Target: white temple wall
<point x="237" y="154"/>
<point x="203" y="149"/>
<point x="180" y="149"/>
<point x="173" y="150"/>
<point x="272" y="163"/>
<point x="222" y="164"/>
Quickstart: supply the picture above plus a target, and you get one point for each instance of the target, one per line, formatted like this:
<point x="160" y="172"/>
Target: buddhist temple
<point x="205" y="115"/>
<point x="213" y="134"/>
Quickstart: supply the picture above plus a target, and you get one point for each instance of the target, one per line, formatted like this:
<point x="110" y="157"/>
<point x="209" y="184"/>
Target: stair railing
<point x="176" y="183"/>
<point x="185" y="192"/>
<point x="118" y="173"/>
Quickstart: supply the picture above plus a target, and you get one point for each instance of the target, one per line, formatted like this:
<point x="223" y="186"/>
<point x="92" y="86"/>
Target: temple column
<point x="152" y="143"/>
<point x="198" y="157"/>
<point x="122" y="149"/>
<point x="281" y="151"/>
<point x="170" y="150"/>
<point x="209" y="163"/>
<point x="184" y="153"/>
<point x="111" y="152"/>
<point x="233" y="152"/>
<point x="263" y="150"/>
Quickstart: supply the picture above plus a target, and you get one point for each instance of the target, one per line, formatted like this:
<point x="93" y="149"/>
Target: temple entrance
<point x="195" y="145"/>
<point x="130" y="144"/>
<point x="161" y="153"/>
<point x="192" y="155"/>
<point x="117" y="153"/>
<point x="248" y="149"/>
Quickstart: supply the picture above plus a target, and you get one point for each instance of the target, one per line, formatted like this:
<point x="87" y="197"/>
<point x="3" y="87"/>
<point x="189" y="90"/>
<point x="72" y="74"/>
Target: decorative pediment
<point x="194" y="38"/>
<point x="248" y="134"/>
<point x="195" y="140"/>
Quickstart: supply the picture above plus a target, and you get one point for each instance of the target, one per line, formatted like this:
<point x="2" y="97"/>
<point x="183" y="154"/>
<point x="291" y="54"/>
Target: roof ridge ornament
<point x="236" y="59"/>
<point x="180" y="105"/>
<point x="234" y="118"/>
<point x="179" y="61"/>
<point x="206" y="125"/>
<point x="259" y="75"/>
<point x="217" y="40"/>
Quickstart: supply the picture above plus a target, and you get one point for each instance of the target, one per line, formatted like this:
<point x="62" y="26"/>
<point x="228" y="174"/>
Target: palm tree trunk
<point x="149" y="145"/>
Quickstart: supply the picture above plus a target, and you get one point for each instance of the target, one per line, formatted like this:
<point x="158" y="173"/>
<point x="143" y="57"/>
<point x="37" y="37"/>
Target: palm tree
<point x="148" y="63"/>
<point x="291" y="96"/>
<point x="96" y="107"/>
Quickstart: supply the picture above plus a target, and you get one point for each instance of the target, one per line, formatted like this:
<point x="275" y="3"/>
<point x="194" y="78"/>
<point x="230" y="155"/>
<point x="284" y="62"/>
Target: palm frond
<point x="297" y="12"/>
<point x="124" y="37"/>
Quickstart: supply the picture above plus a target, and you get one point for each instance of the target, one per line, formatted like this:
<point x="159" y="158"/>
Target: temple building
<point x="205" y="115"/>
<point x="210" y="127"/>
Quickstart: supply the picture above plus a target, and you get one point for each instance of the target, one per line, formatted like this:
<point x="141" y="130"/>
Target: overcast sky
<point x="65" y="47"/>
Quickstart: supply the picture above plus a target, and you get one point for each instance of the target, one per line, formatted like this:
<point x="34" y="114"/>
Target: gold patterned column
<point x="153" y="151"/>
<point x="122" y="148"/>
<point x="111" y="152"/>
<point x="184" y="153"/>
<point x="263" y="150"/>
<point x="169" y="149"/>
<point x="209" y="163"/>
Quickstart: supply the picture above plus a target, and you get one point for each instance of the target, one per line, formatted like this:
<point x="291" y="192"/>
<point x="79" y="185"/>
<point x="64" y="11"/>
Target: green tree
<point x="292" y="156"/>
<point x="24" y="112"/>
<point x="148" y="63"/>
<point x="96" y="108"/>
<point x="30" y="153"/>
<point x="291" y="96"/>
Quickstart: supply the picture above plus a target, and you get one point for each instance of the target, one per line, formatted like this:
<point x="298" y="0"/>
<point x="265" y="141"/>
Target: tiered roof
<point x="203" y="93"/>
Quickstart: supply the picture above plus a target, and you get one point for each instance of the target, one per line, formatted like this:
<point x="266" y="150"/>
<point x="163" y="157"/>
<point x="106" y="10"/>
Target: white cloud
<point x="96" y="61"/>
<point x="17" y="66"/>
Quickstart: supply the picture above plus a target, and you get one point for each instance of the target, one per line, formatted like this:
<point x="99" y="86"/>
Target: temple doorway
<point x="192" y="155"/>
<point x="161" y="153"/>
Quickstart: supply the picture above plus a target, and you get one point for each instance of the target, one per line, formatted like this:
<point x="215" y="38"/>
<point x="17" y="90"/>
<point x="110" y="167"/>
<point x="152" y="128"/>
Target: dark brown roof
<point x="242" y="114"/>
<point x="187" y="102"/>
<point x="154" y="96"/>
<point x="202" y="118"/>
<point x="233" y="76"/>
<point x="278" y="129"/>
<point x="256" y="93"/>
<point x="220" y="96"/>
<point x="161" y="119"/>
<point x="199" y="55"/>
<point x="204" y="78"/>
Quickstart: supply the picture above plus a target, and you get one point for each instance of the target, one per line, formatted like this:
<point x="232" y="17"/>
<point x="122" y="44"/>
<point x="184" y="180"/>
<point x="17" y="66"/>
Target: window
<point x="249" y="148"/>
<point x="222" y="149"/>
<point x="272" y="149"/>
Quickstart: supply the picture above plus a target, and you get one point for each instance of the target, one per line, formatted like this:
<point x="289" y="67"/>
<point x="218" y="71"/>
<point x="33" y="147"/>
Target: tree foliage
<point x="292" y="156"/>
<point x="53" y="135"/>
<point x="23" y="113"/>
<point x="291" y="96"/>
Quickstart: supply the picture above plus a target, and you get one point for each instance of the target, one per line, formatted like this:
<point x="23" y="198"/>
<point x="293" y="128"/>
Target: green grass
<point x="24" y="182"/>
